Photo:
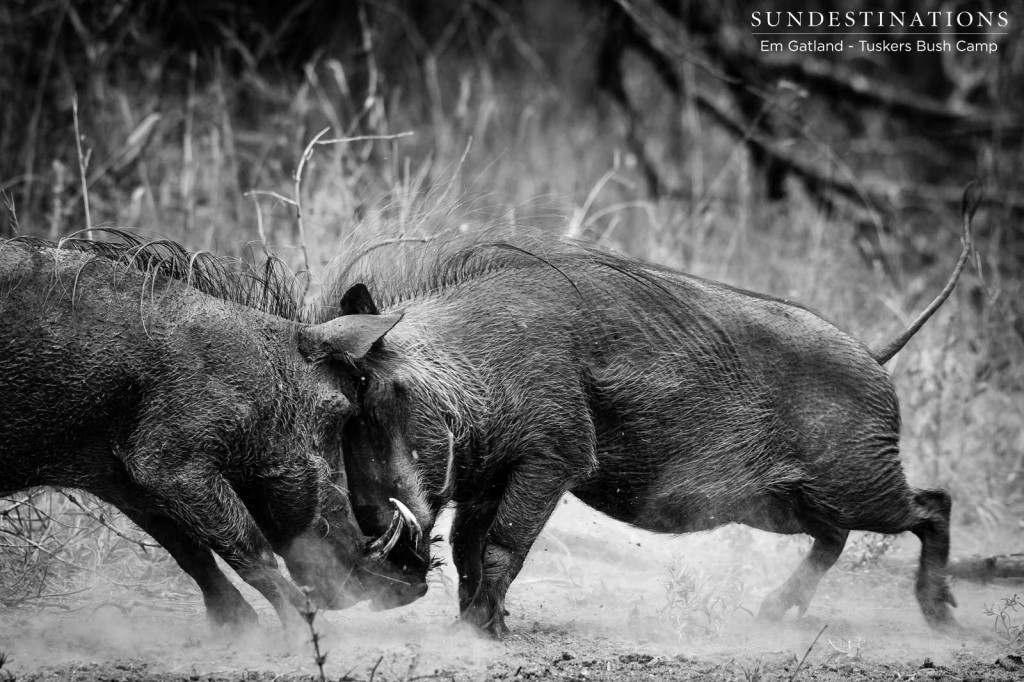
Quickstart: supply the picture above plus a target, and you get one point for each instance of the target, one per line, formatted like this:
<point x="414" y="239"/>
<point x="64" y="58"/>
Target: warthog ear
<point x="357" y="301"/>
<point x="348" y="336"/>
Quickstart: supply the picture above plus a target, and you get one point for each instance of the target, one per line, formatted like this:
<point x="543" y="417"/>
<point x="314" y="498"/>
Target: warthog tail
<point x="968" y="207"/>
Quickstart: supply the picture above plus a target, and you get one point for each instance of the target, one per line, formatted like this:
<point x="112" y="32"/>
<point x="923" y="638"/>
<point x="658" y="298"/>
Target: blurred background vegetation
<point x="656" y="127"/>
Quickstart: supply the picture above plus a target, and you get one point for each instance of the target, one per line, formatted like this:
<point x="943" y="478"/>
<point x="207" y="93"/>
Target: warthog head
<point x="345" y="558"/>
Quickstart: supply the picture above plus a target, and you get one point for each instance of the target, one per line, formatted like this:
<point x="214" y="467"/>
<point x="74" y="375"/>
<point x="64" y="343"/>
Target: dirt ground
<point x="597" y="600"/>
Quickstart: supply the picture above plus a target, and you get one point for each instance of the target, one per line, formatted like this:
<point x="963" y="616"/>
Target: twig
<point x="49" y="596"/>
<point x="297" y="177"/>
<point x="373" y="672"/>
<point x="268" y="193"/>
<point x="106" y="524"/>
<point x="56" y="557"/>
<point x="364" y="138"/>
<point x="83" y="163"/>
<point x="807" y="653"/>
<point x="309" y="614"/>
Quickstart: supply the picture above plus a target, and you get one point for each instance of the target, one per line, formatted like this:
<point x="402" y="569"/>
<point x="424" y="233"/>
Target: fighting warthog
<point x="527" y="368"/>
<point x="189" y="394"/>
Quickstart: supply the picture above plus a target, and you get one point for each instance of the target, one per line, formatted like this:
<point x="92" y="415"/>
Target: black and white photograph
<point x="457" y="340"/>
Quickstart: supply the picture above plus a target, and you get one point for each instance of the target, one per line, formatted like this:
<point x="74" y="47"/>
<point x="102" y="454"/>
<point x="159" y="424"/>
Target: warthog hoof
<point x="781" y="600"/>
<point x="487" y="620"/>
<point x="231" y="614"/>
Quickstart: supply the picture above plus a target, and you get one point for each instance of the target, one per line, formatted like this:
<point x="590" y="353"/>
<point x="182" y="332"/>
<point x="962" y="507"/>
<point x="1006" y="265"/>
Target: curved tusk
<point x="410" y="519"/>
<point x="379" y="548"/>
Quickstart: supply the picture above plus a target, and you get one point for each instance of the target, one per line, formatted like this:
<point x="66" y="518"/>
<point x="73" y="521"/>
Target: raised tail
<point x="968" y="207"/>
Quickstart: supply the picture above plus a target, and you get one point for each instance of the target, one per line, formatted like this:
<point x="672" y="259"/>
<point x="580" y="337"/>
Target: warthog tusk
<point x="410" y="519"/>
<point x="379" y="548"/>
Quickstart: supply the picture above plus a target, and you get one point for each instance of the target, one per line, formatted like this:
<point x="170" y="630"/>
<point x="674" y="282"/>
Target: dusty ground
<point x="591" y="604"/>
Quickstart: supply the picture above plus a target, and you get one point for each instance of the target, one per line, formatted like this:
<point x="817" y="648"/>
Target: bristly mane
<point x="269" y="286"/>
<point x="663" y="305"/>
<point x="399" y="272"/>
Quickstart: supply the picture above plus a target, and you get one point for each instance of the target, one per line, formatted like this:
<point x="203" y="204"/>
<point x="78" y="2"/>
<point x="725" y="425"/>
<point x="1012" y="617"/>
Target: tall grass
<point x="203" y="159"/>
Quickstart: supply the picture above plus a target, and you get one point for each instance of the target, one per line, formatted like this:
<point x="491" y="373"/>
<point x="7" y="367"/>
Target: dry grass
<point x="55" y="546"/>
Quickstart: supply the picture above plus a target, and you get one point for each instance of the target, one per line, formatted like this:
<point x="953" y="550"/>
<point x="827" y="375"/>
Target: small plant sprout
<point x="846" y="649"/>
<point x="753" y="673"/>
<point x="701" y="604"/>
<point x="1004" y="614"/>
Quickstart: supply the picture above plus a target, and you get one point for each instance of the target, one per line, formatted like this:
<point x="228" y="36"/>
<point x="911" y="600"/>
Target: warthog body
<point x="212" y="422"/>
<point x="526" y="369"/>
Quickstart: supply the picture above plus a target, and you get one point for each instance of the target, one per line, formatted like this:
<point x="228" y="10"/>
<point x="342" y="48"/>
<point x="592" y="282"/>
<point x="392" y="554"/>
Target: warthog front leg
<point x="198" y="498"/>
<point x="489" y="563"/>
<point x="469" y="537"/>
<point x="225" y="605"/>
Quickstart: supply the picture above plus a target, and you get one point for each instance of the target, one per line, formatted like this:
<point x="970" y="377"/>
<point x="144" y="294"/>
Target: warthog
<point x="212" y="420"/>
<point x="527" y="368"/>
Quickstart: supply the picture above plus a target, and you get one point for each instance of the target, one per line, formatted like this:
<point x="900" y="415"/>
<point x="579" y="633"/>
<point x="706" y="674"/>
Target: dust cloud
<point x="592" y="588"/>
